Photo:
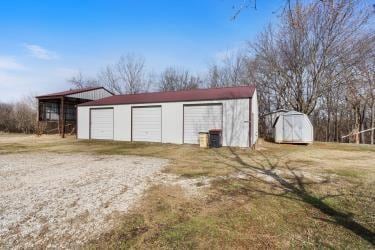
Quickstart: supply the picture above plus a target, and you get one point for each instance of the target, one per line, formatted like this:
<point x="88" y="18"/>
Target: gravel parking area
<point x="62" y="200"/>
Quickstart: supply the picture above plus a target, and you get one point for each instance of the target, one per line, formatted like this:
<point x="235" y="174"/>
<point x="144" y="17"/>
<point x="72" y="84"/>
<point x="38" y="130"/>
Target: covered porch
<point x="58" y="115"/>
<point x="57" y="112"/>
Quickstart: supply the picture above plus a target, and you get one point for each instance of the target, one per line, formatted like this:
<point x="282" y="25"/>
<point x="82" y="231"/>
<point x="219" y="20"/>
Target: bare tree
<point x="360" y="84"/>
<point x="301" y="58"/>
<point x="7" y="117"/>
<point x="126" y="76"/>
<point x="79" y="81"/>
<point x="25" y="117"/>
<point x="231" y="71"/>
<point x="173" y="79"/>
<point x="109" y="78"/>
<point x="19" y="116"/>
<point x="131" y="74"/>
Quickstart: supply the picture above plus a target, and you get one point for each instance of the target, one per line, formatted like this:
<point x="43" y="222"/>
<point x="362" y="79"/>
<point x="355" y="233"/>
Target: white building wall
<point x="122" y="122"/>
<point x="255" y="117"/>
<point x="83" y="123"/>
<point x="172" y="122"/>
<point x="235" y="121"/>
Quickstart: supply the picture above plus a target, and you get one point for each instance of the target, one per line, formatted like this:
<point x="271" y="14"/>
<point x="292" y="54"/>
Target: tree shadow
<point x="294" y="186"/>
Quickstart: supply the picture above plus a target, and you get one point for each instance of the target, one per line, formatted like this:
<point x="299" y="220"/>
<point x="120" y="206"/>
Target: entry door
<point x="101" y="124"/>
<point x="146" y="124"/>
<point x="201" y="118"/>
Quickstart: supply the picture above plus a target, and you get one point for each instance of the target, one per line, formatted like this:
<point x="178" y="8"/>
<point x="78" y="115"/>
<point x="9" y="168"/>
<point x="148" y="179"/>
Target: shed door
<point x="201" y="118"/>
<point x="292" y="128"/>
<point x="288" y="128"/>
<point x="297" y="128"/>
<point x="146" y="124"/>
<point x="101" y="124"/>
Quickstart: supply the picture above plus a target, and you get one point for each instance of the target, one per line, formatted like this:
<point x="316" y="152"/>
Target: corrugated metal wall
<point x="92" y="94"/>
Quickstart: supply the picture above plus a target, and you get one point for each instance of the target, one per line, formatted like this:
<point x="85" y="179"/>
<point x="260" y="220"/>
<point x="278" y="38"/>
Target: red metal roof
<point x="177" y="96"/>
<point x="71" y="92"/>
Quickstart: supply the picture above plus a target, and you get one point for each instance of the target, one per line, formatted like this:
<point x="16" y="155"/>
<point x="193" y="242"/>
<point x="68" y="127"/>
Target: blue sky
<point x="45" y="42"/>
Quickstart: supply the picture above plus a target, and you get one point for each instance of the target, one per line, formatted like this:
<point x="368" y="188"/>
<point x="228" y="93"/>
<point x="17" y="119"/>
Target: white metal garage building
<point x="173" y="117"/>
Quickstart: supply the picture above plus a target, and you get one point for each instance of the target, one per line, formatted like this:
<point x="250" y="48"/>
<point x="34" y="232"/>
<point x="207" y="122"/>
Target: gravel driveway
<point x="63" y="200"/>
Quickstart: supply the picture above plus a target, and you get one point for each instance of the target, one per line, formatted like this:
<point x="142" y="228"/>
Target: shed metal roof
<point x="71" y="92"/>
<point x="177" y="96"/>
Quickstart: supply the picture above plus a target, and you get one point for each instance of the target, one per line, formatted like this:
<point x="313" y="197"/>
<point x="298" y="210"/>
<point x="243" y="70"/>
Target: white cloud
<point x="9" y="63"/>
<point x="40" y="52"/>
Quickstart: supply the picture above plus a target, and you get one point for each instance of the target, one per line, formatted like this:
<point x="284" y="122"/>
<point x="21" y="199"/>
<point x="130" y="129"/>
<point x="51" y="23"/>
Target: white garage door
<point x="102" y="124"/>
<point x="201" y="118"/>
<point x="146" y="124"/>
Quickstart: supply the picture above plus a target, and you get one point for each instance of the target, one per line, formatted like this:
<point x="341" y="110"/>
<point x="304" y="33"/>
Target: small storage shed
<point x="293" y="127"/>
<point x="268" y="120"/>
<point x="173" y="117"/>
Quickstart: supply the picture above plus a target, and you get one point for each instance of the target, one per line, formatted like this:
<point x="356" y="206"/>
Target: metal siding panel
<point x="91" y="94"/>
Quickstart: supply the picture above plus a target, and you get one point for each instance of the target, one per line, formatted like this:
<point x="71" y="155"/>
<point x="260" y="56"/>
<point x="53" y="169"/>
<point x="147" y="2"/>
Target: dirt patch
<point x="60" y="200"/>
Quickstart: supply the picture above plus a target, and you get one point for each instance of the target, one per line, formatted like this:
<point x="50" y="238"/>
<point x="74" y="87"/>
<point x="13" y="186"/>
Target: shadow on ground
<point x="293" y="185"/>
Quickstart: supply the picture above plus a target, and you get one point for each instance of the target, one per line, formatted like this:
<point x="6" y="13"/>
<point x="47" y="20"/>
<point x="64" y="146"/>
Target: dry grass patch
<point x="167" y="219"/>
<point x="280" y="196"/>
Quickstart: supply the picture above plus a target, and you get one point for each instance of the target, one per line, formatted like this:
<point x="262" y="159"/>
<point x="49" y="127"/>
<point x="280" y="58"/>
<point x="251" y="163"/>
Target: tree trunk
<point x="357" y="126"/>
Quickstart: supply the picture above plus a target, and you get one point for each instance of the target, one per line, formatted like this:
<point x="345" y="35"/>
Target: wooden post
<point x="62" y="118"/>
<point x="37" y="119"/>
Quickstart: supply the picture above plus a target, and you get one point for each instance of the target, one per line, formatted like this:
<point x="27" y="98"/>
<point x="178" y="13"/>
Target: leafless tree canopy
<point x="79" y="81"/>
<point x="19" y="116"/>
<point x="172" y="79"/>
<point x="232" y="71"/>
<point x="127" y="76"/>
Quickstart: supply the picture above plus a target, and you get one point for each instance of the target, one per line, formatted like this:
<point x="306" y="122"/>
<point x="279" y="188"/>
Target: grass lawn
<point x="278" y="196"/>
